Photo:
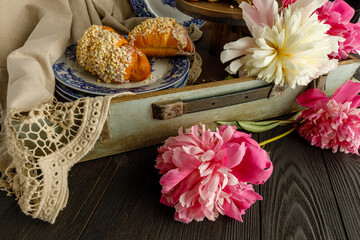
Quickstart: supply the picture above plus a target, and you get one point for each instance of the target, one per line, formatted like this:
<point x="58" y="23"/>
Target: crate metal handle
<point x="177" y="107"/>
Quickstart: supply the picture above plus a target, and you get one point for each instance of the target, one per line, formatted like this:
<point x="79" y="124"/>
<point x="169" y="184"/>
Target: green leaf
<point x="250" y="126"/>
<point x="228" y="123"/>
<point x="260" y="126"/>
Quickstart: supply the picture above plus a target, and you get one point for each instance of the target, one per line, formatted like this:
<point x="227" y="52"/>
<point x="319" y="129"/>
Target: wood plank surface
<point x="312" y="194"/>
<point x="87" y="182"/>
<point x="344" y="176"/>
<point x="131" y="209"/>
<point x="299" y="202"/>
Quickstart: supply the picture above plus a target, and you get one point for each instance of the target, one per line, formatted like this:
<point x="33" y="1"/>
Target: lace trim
<point x="44" y="144"/>
<point x="194" y="32"/>
<point x="195" y="68"/>
<point x="195" y="60"/>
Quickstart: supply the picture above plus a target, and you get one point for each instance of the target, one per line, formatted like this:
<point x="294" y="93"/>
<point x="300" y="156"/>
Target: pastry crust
<point x="107" y="54"/>
<point x="161" y="37"/>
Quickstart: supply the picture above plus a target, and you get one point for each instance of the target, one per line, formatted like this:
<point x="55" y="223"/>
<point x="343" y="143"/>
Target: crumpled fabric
<point x="41" y="139"/>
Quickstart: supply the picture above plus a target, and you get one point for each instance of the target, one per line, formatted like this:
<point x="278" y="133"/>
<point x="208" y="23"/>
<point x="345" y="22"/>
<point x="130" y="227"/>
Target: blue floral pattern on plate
<point x="64" y="96"/>
<point x="171" y="3"/>
<point x="165" y="73"/>
<point x="71" y="92"/>
<point x="163" y="8"/>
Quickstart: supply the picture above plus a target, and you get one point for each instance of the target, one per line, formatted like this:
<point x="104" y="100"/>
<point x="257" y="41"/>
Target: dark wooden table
<point x="312" y="194"/>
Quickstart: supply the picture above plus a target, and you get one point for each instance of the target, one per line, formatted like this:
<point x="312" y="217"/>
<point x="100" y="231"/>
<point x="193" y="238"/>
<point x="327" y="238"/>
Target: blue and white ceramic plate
<point x="163" y="8"/>
<point x="182" y="83"/>
<point x="165" y="72"/>
<point x="64" y="96"/>
<point x="71" y="92"/>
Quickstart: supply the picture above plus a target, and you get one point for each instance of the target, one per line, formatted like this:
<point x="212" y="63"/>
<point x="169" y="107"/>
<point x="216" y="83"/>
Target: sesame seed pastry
<point x="105" y="53"/>
<point x="161" y="37"/>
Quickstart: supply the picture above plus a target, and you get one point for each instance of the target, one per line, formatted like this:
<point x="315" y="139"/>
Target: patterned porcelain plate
<point x="64" y="96"/>
<point x="163" y="8"/>
<point x="164" y="73"/>
<point x="71" y="92"/>
<point x="180" y="84"/>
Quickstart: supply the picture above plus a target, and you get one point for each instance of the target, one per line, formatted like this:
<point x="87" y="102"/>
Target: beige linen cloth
<point x="41" y="139"/>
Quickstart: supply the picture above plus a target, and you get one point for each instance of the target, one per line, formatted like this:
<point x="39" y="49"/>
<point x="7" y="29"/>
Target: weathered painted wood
<point x="132" y="125"/>
<point x="299" y="202"/>
<point x="342" y="73"/>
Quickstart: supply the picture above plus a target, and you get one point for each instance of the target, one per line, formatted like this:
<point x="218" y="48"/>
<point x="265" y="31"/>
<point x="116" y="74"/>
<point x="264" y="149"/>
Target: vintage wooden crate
<point x="132" y="125"/>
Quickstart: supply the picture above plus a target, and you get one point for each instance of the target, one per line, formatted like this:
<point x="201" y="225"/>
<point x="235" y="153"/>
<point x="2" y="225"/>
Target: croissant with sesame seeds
<point x="161" y="37"/>
<point x="105" y="53"/>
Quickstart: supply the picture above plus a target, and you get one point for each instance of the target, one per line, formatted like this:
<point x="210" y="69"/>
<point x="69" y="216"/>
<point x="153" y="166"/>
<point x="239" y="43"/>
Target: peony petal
<point x="242" y="197"/>
<point x="326" y="67"/>
<point x="207" y="156"/>
<point x="242" y="43"/>
<point x="234" y="154"/>
<point x="346" y="92"/>
<point x="230" y="209"/>
<point x="262" y="13"/>
<point x="226" y="132"/>
<point x="307" y="7"/>
<point x="355" y="102"/>
<point x="235" y="65"/>
<point x="236" y="49"/>
<point x="185" y="161"/>
<point x="346" y="11"/>
<point x="172" y="178"/>
<point x="164" y="201"/>
<point x="191" y="182"/>
<point x="255" y="166"/>
<point x="186" y="215"/>
<point x="313" y="97"/>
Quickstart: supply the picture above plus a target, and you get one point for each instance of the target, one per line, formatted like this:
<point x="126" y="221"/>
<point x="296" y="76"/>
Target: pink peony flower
<point x="335" y="123"/>
<point x="286" y="3"/>
<point x="338" y="15"/>
<point x="209" y="173"/>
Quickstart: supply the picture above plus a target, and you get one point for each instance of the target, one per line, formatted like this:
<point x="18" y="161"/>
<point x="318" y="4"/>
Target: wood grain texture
<point x="219" y="12"/>
<point x="344" y="174"/>
<point x="130" y="209"/>
<point x="312" y="194"/>
<point x="87" y="182"/>
<point x="298" y="199"/>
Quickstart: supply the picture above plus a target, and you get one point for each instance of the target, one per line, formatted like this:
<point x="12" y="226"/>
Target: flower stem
<point x="277" y="137"/>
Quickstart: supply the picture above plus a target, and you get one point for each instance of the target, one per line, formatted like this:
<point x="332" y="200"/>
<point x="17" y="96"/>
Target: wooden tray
<point x="219" y="12"/>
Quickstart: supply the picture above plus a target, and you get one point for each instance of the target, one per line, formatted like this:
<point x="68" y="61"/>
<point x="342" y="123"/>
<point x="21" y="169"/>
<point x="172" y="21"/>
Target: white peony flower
<point x="291" y="50"/>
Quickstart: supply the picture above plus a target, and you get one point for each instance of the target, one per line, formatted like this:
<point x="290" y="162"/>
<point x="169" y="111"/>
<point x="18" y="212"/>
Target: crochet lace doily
<point x="195" y="60"/>
<point x="44" y="144"/>
<point x="194" y="32"/>
<point x="195" y="68"/>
